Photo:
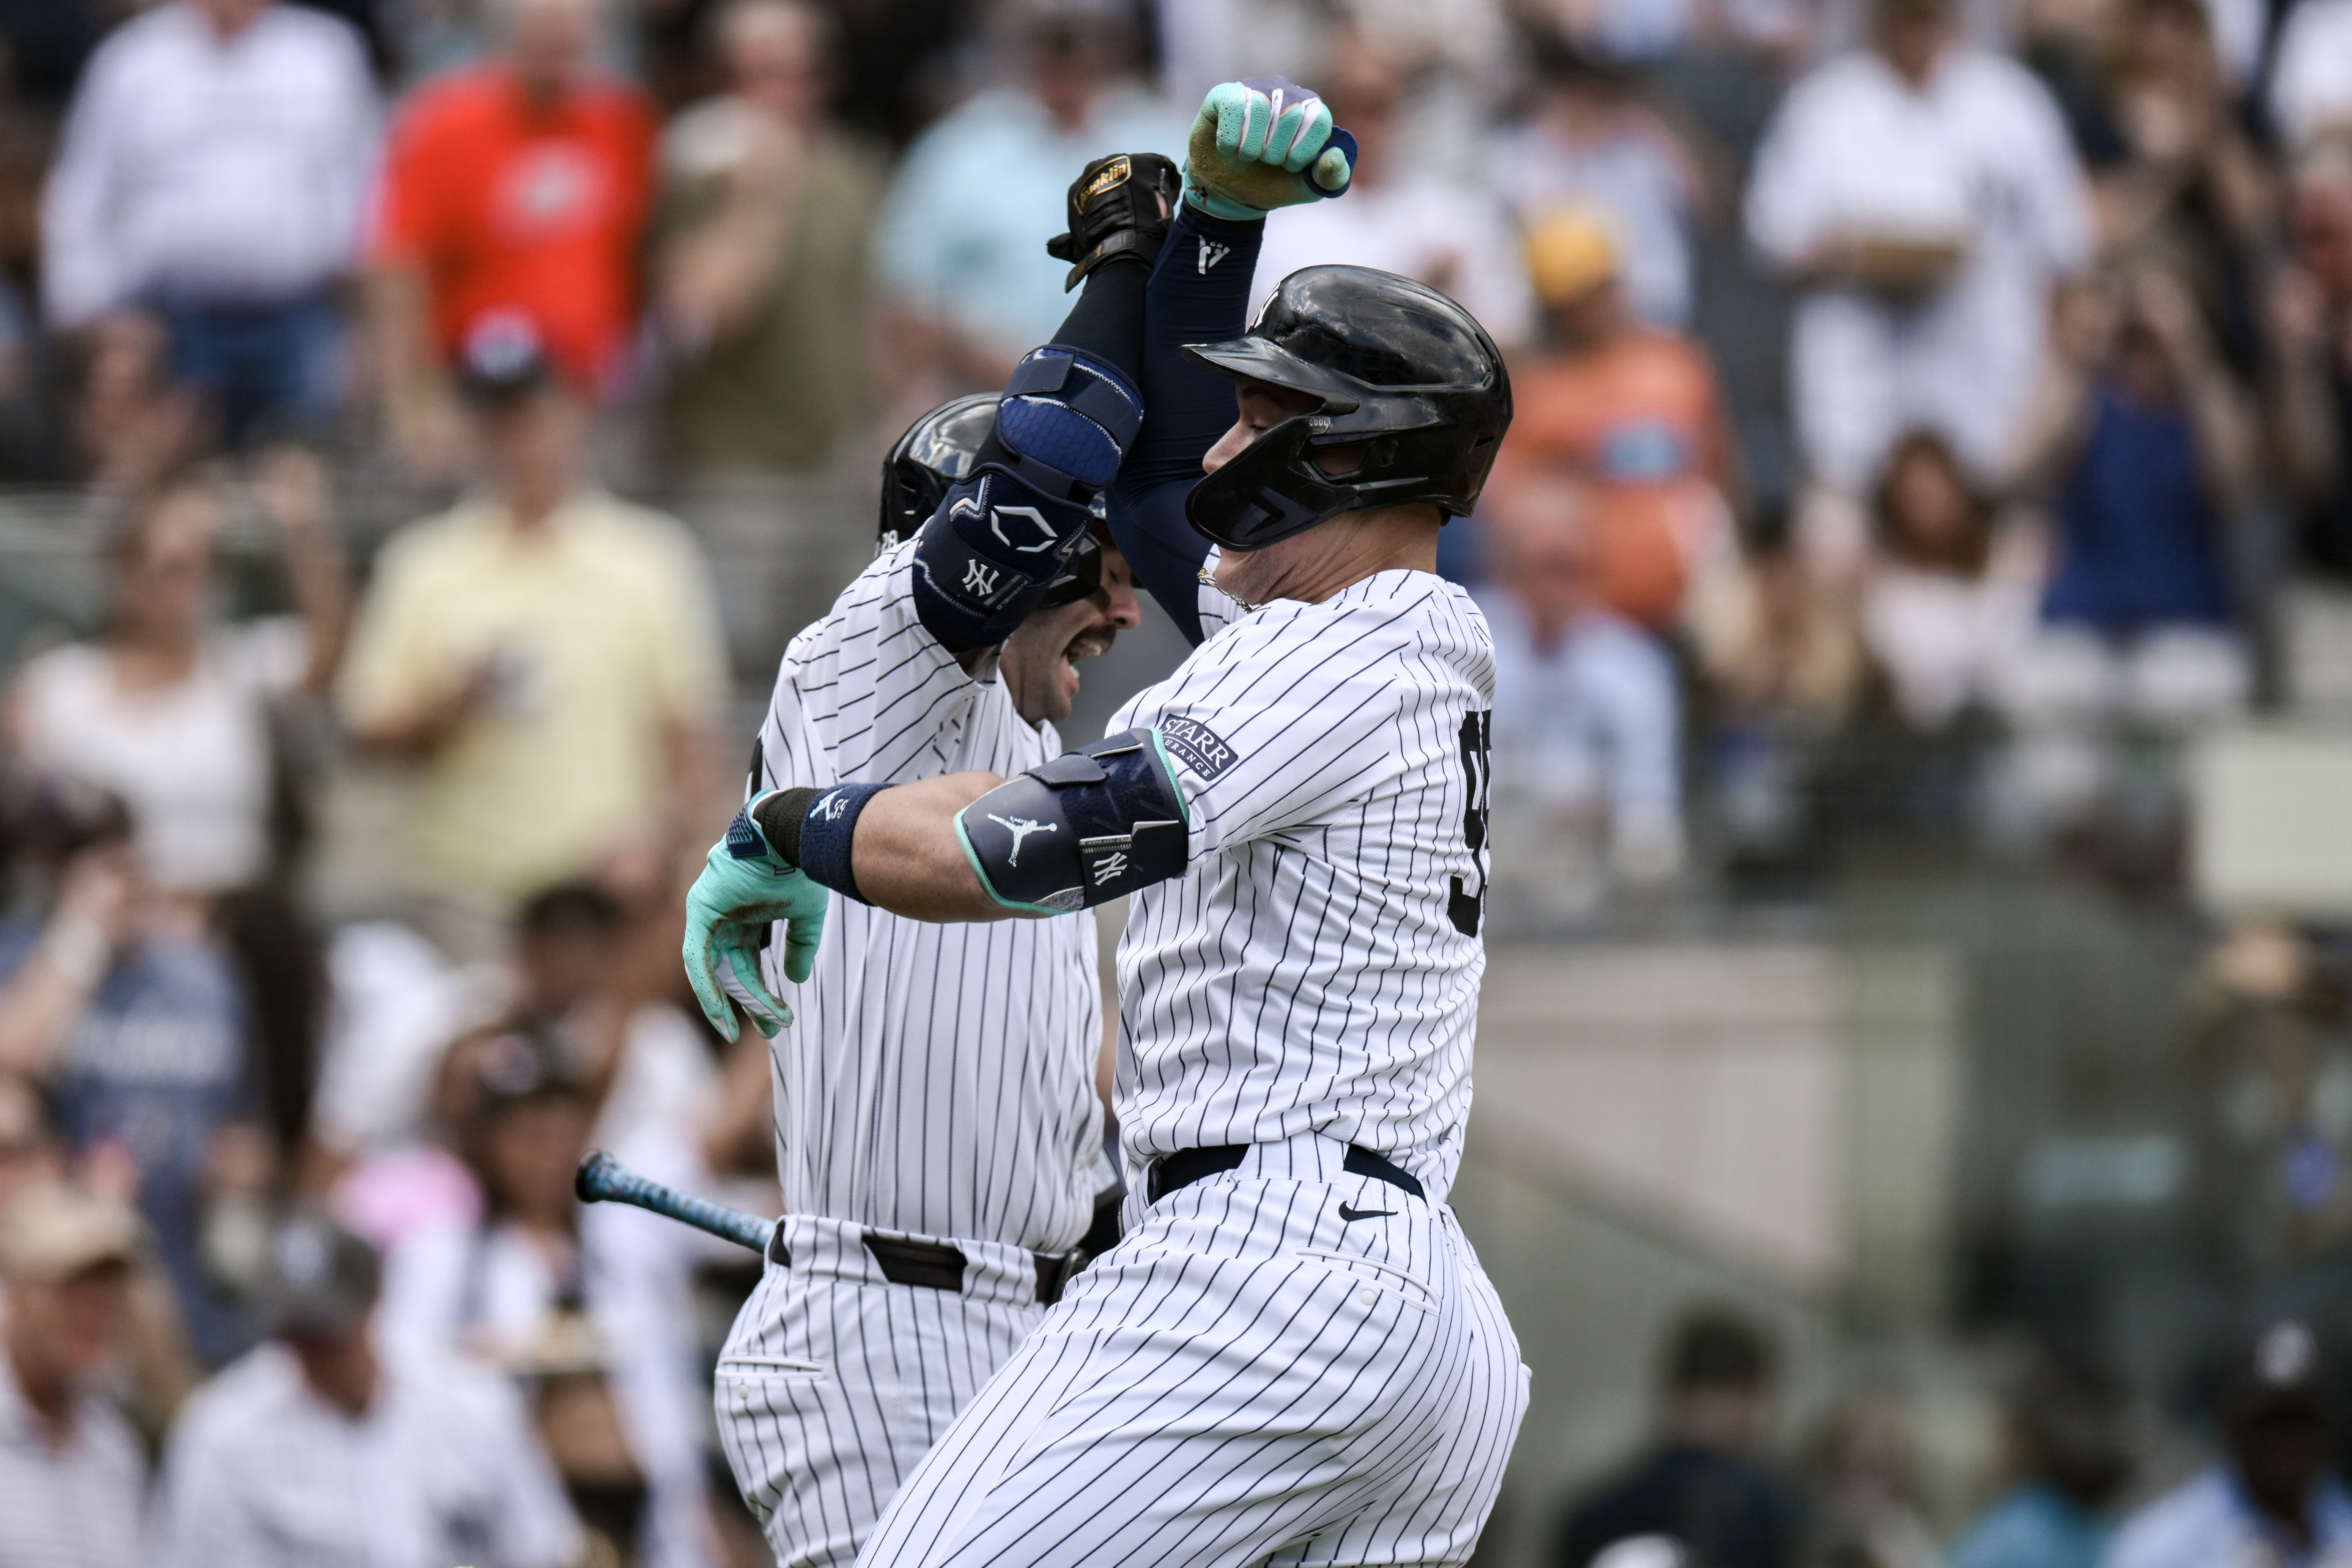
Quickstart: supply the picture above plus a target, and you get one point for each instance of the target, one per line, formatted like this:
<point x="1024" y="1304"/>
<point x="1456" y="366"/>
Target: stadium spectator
<point x="2311" y="328"/>
<point x="1703" y="1485"/>
<point x="545" y="652"/>
<point x="72" y="1475"/>
<point x="1923" y="195"/>
<point x="593" y="1302"/>
<point x="1948" y="603"/>
<point x="2189" y="189"/>
<point x="173" y="712"/>
<point x="584" y="969"/>
<point x="2310" y="83"/>
<point x="1865" y="1503"/>
<point x="29" y="1154"/>
<point x="766" y="219"/>
<point x="2068" y="1458"/>
<point x="2272" y="1495"/>
<point x="212" y="172"/>
<point x="1451" y="236"/>
<point x="960" y="251"/>
<point x="314" y="1447"/>
<point x="2145" y="450"/>
<point x="1590" y="140"/>
<point x="520" y="183"/>
<point x="1587" y="717"/>
<point x="1632" y="410"/>
<point x="127" y="1009"/>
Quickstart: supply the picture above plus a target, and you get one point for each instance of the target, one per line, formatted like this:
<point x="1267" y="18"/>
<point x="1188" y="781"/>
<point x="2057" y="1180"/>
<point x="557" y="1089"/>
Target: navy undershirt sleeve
<point x="1199" y="293"/>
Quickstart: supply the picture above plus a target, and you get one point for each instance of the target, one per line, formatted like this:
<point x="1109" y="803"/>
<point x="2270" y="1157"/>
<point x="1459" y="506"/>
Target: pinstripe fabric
<point x="1307" y="973"/>
<point x="1249" y="1377"/>
<point x="837" y="1381"/>
<point x="937" y="1082"/>
<point x="938" y="1079"/>
<point x="1284" y="1363"/>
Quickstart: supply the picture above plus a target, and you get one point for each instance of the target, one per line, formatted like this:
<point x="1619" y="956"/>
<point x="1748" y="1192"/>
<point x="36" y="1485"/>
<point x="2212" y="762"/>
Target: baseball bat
<point x="602" y="1179"/>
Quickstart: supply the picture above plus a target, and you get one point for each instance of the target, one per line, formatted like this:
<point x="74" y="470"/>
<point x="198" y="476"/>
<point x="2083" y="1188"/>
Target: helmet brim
<point x="1253" y="358"/>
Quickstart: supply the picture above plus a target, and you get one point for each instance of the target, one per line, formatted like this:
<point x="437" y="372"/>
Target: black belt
<point x="1181" y="1169"/>
<point x="938" y="1264"/>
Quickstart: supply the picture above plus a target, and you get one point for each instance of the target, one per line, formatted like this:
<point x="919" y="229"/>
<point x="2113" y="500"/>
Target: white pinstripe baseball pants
<point x="1249" y="1377"/>
<point x="834" y="1382"/>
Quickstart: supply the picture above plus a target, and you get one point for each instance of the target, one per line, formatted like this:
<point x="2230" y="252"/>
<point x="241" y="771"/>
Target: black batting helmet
<point x="1395" y="367"/>
<point x="936" y="454"/>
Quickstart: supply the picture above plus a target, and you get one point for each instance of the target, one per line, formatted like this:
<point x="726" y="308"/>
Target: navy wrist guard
<point x="827" y="827"/>
<point x="1003" y="535"/>
<point x="1091" y="826"/>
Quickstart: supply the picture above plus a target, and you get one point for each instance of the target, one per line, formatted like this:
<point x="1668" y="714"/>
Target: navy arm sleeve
<point x="1199" y="293"/>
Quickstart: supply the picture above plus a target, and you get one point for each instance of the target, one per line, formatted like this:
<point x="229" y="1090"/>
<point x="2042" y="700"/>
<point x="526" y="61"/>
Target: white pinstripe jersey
<point x="938" y="1078"/>
<point x="1317" y="969"/>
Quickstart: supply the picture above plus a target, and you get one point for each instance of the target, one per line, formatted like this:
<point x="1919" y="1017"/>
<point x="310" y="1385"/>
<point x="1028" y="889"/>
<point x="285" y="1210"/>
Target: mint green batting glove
<point x="745" y="887"/>
<point x="1262" y="143"/>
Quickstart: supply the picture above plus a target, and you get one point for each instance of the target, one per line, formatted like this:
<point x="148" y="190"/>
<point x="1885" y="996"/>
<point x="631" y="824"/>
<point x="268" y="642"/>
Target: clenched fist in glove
<point x="1262" y="143"/>
<point x="745" y="887"/>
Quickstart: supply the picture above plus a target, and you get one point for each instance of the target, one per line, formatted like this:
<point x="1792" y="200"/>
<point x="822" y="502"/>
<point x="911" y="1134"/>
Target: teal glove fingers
<point x="750" y="992"/>
<point x="1262" y="143"/>
<point x="744" y="888"/>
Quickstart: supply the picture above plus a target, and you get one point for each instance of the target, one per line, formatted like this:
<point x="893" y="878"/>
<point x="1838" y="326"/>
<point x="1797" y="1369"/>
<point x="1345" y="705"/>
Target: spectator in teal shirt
<point x="2067" y="1440"/>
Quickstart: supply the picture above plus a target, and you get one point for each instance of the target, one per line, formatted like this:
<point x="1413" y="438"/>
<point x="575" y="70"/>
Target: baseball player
<point x="937" y="1134"/>
<point x="1293" y="1355"/>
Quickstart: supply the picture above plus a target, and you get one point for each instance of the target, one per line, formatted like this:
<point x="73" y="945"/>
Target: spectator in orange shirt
<point x="1630" y="410"/>
<point x="524" y="183"/>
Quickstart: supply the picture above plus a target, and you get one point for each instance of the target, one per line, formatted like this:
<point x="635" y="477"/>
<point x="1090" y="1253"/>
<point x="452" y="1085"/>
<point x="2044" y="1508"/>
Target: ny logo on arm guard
<point x="1091" y="826"/>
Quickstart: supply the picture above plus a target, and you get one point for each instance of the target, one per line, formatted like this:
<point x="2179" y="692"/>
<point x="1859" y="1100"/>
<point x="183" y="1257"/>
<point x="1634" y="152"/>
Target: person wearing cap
<point x="315" y="1447"/>
<point x="2273" y="1497"/>
<point x="1632" y="411"/>
<point x="524" y="181"/>
<point x="544" y="653"/>
<point x="72" y="1476"/>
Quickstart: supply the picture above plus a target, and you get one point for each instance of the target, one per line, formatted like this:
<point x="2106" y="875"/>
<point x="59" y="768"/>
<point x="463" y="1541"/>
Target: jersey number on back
<point x="1478" y="772"/>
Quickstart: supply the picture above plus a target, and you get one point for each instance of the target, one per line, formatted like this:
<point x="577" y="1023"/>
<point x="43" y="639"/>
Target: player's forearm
<point x="908" y="859"/>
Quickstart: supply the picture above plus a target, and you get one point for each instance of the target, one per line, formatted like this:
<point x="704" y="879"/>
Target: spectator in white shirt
<point x="1948" y="606"/>
<point x="1923" y="195"/>
<point x="173" y="712"/>
<point x="72" y="1478"/>
<point x="315" y="1448"/>
<point x="2311" y="85"/>
<point x="1454" y="238"/>
<point x="212" y="172"/>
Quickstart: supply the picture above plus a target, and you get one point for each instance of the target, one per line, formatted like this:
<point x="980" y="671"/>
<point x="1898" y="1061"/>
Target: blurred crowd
<point x="2067" y="1486"/>
<point x="1930" y="413"/>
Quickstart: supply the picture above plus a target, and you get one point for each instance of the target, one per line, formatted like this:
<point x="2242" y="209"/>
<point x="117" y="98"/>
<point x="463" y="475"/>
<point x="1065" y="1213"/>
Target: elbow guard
<point x="1003" y="533"/>
<point x="1091" y="826"/>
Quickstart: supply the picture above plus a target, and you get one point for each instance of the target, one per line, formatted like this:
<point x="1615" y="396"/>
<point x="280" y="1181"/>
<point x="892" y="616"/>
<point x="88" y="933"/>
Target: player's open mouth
<point x="1088" y="644"/>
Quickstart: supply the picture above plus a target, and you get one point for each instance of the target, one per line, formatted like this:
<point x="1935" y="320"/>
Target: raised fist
<point x="1262" y="143"/>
